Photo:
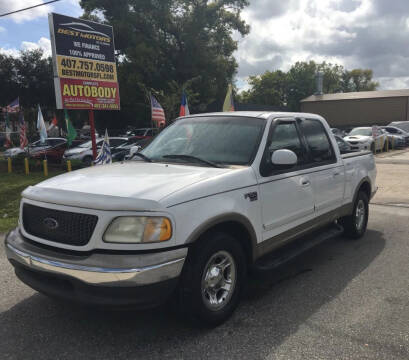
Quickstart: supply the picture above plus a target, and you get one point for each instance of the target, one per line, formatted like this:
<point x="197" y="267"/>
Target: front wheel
<point x="355" y="224"/>
<point x="213" y="279"/>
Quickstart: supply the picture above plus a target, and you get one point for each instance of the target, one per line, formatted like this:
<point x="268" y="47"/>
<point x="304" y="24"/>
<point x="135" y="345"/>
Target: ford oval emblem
<point x="50" y="223"/>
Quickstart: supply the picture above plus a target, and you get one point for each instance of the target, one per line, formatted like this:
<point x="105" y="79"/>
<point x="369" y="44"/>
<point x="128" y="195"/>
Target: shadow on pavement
<point x="275" y="305"/>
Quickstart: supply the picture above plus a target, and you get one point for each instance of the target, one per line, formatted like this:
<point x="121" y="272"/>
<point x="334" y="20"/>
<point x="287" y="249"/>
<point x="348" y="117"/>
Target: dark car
<point x="143" y="133"/>
<point x="397" y="131"/>
<point x="119" y="152"/>
<point x="52" y="149"/>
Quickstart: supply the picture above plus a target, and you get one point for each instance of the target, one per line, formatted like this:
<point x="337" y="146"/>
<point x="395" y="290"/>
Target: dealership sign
<point x="84" y="65"/>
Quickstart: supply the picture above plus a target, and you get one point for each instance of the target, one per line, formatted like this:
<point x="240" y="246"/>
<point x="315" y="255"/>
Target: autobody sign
<point x="84" y="64"/>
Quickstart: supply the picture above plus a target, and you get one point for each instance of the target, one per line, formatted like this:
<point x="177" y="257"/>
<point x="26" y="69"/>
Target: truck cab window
<point x="285" y="136"/>
<point x="318" y="142"/>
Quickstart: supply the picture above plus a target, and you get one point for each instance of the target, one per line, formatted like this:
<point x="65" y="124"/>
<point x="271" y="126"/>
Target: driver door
<point x="286" y="194"/>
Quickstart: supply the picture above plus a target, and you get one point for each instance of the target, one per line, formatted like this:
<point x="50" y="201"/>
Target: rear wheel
<point x="87" y="160"/>
<point x="355" y="224"/>
<point x="213" y="279"/>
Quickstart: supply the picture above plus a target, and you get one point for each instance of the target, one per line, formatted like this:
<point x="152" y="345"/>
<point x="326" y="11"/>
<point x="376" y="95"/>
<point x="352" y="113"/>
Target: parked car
<point x="83" y="152"/>
<point x="364" y="138"/>
<point x="403" y="125"/>
<point x="396" y="131"/>
<point x="394" y="140"/>
<point x="52" y="152"/>
<point x="120" y="152"/>
<point x="191" y="219"/>
<point x="344" y="147"/>
<point x="143" y="133"/>
<point x="51" y="149"/>
<point x="338" y="132"/>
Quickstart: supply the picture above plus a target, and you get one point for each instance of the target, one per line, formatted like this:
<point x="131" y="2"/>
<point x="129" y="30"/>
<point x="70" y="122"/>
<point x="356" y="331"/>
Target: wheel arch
<point x="234" y="224"/>
<point x="365" y="186"/>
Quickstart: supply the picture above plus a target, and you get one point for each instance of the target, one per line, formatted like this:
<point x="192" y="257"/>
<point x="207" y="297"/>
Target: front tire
<point x="355" y="225"/>
<point x="213" y="279"/>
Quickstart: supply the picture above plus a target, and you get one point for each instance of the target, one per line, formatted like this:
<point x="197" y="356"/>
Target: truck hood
<point x="360" y="138"/>
<point x="120" y="186"/>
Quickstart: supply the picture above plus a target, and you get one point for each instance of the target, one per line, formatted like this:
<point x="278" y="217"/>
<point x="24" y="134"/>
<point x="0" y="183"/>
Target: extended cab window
<point x="317" y="140"/>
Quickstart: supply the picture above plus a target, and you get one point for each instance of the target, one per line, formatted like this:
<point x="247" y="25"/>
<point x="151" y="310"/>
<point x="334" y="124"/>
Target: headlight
<point x="138" y="229"/>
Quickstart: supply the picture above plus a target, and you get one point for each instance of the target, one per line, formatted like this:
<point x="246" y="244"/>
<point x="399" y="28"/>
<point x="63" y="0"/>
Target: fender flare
<point x="224" y="218"/>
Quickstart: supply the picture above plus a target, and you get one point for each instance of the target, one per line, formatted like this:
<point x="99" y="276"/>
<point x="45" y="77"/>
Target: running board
<point x="296" y="248"/>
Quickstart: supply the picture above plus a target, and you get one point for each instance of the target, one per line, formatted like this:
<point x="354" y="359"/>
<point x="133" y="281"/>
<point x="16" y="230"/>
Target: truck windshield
<point x="221" y="140"/>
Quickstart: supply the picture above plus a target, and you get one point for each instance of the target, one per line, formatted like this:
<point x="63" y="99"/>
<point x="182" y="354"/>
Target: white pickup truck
<point x="212" y="197"/>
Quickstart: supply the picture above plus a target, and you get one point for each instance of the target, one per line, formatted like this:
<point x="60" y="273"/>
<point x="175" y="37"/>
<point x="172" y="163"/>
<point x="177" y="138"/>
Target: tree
<point x="163" y="45"/>
<point x="359" y="80"/>
<point x="34" y="77"/>
<point x="267" y="89"/>
<point x="288" y="89"/>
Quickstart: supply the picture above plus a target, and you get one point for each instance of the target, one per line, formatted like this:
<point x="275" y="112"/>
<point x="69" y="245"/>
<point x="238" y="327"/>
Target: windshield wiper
<point x="144" y="157"/>
<point x="191" y="157"/>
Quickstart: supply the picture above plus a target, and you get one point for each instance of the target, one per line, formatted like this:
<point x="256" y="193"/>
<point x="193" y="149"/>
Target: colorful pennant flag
<point x="229" y="101"/>
<point x="104" y="156"/>
<point x="23" y="131"/>
<point x="184" y="107"/>
<point x="8" y="143"/>
<point x="13" y="107"/>
<point x="158" y="114"/>
<point x="41" y="125"/>
<point x="71" y="132"/>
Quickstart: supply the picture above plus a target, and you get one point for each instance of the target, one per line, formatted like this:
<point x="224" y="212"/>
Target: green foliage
<point x="169" y="45"/>
<point x="29" y="76"/>
<point x="286" y="90"/>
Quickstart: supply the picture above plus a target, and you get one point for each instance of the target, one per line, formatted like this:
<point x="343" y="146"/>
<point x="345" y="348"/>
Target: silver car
<point x="83" y="152"/>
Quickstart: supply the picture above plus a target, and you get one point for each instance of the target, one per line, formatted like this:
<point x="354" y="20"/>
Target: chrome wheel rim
<point x="219" y="280"/>
<point x="360" y="215"/>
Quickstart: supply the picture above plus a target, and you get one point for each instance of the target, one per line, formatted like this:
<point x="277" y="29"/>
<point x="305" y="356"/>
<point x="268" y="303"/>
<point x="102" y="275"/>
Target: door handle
<point x="305" y="182"/>
<point x="336" y="173"/>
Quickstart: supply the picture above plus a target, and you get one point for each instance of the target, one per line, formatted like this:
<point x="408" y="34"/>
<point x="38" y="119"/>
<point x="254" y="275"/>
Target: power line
<point x="28" y="8"/>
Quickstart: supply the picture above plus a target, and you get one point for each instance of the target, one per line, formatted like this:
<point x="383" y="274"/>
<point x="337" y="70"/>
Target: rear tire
<point x="213" y="279"/>
<point x="87" y="160"/>
<point x="355" y="224"/>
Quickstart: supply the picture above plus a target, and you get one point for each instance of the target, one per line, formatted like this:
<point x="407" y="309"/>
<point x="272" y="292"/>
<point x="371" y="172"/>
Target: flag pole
<point x="150" y="102"/>
<point x="92" y="129"/>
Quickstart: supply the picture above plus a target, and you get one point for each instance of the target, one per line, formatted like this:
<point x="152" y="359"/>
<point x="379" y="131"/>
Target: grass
<point x="11" y="186"/>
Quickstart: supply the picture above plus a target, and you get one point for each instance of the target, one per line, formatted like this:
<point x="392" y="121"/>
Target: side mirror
<point x="284" y="158"/>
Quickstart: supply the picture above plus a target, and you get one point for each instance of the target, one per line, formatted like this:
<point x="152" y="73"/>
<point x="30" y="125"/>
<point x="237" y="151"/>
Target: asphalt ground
<point x="341" y="300"/>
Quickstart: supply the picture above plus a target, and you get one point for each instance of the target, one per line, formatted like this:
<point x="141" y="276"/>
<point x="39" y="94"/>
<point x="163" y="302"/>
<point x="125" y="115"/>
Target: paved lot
<point x="341" y="300"/>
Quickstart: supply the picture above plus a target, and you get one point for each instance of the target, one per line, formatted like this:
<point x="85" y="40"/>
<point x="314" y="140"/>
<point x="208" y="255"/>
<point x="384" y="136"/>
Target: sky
<point x="370" y="34"/>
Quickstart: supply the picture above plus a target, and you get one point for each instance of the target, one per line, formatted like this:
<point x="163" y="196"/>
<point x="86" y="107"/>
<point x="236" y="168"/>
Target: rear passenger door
<point x="327" y="172"/>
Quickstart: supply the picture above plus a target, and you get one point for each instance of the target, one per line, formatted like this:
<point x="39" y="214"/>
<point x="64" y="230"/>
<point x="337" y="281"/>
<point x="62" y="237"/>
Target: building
<point x="367" y="108"/>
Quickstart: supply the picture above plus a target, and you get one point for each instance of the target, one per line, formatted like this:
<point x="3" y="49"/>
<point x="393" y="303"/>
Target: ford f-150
<point x="212" y="197"/>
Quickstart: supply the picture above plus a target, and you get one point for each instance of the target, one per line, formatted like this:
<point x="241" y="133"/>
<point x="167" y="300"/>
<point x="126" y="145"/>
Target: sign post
<point x="85" y="76"/>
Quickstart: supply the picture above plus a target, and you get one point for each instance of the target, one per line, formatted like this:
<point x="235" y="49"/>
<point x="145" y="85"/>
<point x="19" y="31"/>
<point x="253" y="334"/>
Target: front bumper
<point x="361" y="146"/>
<point x="145" y="279"/>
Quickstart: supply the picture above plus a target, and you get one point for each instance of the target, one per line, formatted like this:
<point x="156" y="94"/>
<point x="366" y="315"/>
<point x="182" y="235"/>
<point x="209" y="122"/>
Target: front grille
<point x="353" y="142"/>
<point x="59" y="226"/>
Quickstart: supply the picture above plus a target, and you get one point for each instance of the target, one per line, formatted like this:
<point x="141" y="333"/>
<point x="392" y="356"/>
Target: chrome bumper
<point x="148" y="269"/>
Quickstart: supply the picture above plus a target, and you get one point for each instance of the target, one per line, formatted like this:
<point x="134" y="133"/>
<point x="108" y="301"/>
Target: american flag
<point x="158" y="115"/>
<point x="23" y="135"/>
<point x="13" y="107"/>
